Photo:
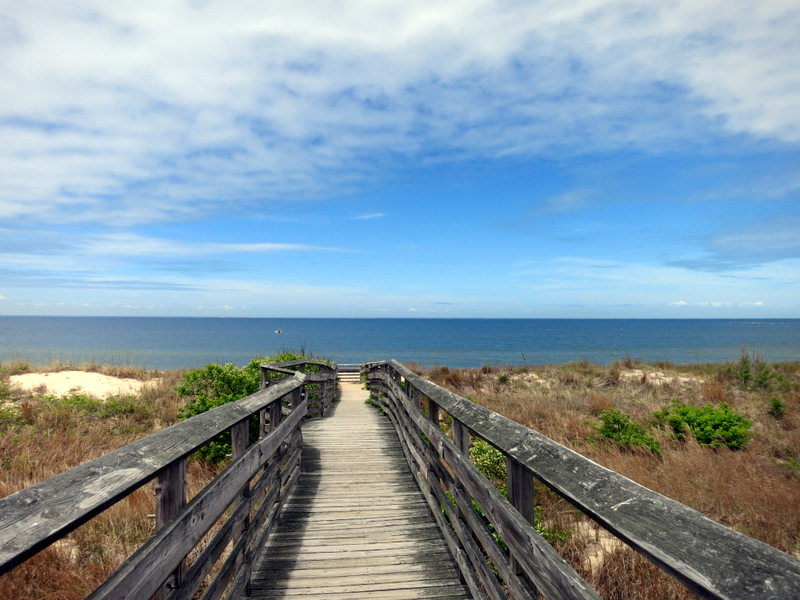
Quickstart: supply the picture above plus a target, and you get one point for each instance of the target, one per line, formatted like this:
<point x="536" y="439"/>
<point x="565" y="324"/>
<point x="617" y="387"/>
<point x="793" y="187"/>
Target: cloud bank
<point x="137" y="112"/>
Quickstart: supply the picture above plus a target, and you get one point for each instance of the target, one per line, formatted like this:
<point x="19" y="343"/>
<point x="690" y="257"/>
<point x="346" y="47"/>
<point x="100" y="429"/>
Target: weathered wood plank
<point x="33" y="518"/>
<point x="140" y="576"/>
<point x="356" y="526"/>
<point x="711" y="559"/>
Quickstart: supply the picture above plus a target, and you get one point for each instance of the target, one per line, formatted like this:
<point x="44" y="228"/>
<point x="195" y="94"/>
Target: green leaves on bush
<point x="214" y="385"/>
<point x="715" y="427"/>
<point x="752" y="372"/>
<point x="618" y="427"/>
<point x="489" y="461"/>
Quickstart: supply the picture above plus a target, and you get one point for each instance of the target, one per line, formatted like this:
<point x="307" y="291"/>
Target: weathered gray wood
<point x="356" y="525"/>
<point x="711" y="559"/>
<point x="460" y="436"/>
<point x="552" y="575"/>
<point x="170" y="499"/>
<point x="140" y="576"/>
<point x="519" y="483"/>
<point x="33" y="518"/>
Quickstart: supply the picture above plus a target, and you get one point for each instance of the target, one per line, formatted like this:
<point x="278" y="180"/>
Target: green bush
<point x="710" y="426"/>
<point x="618" y="427"/>
<point x="492" y="464"/>
<point x="752" y="372"/>
<point x="489" y="461"/>
<point x="777" y="408"/>
<point x="214" y="385"/>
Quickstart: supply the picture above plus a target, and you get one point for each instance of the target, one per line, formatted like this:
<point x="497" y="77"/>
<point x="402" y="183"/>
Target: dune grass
<point x="755" y="490"/>
<point x="42" y="435"/>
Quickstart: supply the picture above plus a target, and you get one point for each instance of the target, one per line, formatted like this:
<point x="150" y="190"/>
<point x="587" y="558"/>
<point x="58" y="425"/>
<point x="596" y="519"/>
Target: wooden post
<point x="433" y="412"/>
<point x="461" y="436"/>
<point x="170" y="499"/>
<point x="275" y="410"/>
<point x="264" y="380"/>
<point x="297" y="396"/>
<point x="519" y="480"/>
<point x="263" y="423"/>
<point x="240" y="440"/>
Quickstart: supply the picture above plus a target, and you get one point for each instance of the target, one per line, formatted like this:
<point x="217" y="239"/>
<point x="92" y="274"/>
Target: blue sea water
<point x="170" y="343"/>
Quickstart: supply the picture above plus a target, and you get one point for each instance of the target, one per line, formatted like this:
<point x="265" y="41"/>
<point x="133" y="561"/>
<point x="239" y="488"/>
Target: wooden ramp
<point x="357" y="525"/>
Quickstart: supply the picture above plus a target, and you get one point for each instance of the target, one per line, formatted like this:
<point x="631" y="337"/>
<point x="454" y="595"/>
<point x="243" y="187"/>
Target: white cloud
<point x="128" y="113"/>
<point x="130" y="244"/>
<point x="678" y="303"/>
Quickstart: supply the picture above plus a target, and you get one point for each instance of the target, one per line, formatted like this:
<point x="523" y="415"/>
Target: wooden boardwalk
<point x="357" y="525"/>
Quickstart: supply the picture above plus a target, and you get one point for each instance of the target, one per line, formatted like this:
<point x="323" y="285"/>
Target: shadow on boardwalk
<point x="357" y="526"/>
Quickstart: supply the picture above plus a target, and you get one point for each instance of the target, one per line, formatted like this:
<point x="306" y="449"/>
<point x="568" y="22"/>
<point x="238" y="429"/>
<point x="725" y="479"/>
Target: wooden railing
<point x="320" y="386"/>
<point x="240" y="506"/>
<point x="710" y="559"/>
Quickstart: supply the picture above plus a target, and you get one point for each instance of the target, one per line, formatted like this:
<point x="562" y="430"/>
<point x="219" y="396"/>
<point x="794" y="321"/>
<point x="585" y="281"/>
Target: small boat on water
<point x="278" y="331"/>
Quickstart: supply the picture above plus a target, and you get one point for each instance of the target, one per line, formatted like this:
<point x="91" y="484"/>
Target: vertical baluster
<point x="519" y="481"/>
<point x="170" y="499"/>
<point x="240" y="440"/>
<point x="417" y="398"/>
<point x="275" y="414"/>
<point x="297" y="396"/>
<point x="461" y="436"/>
<point x="433" y="412"/>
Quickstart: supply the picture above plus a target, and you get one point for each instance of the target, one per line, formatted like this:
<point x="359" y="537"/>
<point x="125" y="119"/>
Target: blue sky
<point x="457" y="158"/>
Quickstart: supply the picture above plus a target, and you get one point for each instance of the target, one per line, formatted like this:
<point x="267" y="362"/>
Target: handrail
<point x="320" y="388"/>
<point x="255" y="483"/>
<point x="711" y="559"/>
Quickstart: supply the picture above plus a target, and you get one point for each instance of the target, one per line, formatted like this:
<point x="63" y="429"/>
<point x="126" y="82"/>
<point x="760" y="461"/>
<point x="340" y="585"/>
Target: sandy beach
<point x="63" y="382"/>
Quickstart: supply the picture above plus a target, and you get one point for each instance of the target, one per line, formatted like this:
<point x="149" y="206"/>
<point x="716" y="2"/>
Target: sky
<point x="433" y="158"/>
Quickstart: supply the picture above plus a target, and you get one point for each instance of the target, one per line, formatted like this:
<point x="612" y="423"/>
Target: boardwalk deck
<point x="357" y="526"/>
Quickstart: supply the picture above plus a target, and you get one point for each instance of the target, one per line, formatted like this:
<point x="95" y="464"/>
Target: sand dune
<point x="93" y="384"/>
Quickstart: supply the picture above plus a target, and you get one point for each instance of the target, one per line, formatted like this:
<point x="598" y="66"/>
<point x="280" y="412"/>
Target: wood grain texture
<point x="356" y="525"/>
<point x="33" y="518"/>
<point x="711" y="559"/>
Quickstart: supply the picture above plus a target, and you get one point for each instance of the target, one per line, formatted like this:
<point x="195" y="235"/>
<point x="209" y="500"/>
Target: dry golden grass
<point x="755" y="491"/>
<point x="41" y="436"/>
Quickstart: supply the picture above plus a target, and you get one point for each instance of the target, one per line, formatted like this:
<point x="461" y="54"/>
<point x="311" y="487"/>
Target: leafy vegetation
<point x="753" y="372"/>
<point x="617" y="427"/>
<point x="710" y="426"/>
<point x="492" y="464"/>
<point x="214" y="385"/>
<point x="563" y="402"/>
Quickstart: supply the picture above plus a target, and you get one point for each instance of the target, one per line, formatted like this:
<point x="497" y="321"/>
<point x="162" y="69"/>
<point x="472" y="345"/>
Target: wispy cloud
<point x="209" y="154"/>
<point x="742" y="248"/>
<point x="159" y="112"/>
<point x="130" y="244"/>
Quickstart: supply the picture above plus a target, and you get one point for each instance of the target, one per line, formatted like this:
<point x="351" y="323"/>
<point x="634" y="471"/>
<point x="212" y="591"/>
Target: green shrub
<point x="214" y="385"/>
<point x="777" y="408"/>
<point x="710" y="426"/>
<point x="752" y="372"/>
<point x="618" y="427"/>
<point x="491" y="462"/>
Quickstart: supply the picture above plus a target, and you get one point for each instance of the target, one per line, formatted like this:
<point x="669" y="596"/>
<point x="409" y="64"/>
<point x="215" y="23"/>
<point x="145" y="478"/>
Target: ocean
<point x="172" y="343"/>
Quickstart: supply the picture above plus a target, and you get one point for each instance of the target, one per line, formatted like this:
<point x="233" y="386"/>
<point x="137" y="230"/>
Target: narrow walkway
<point x="357" y="525"/>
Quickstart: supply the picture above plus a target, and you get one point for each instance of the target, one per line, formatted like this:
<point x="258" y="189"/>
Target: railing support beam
<point x="170" y="499"/>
